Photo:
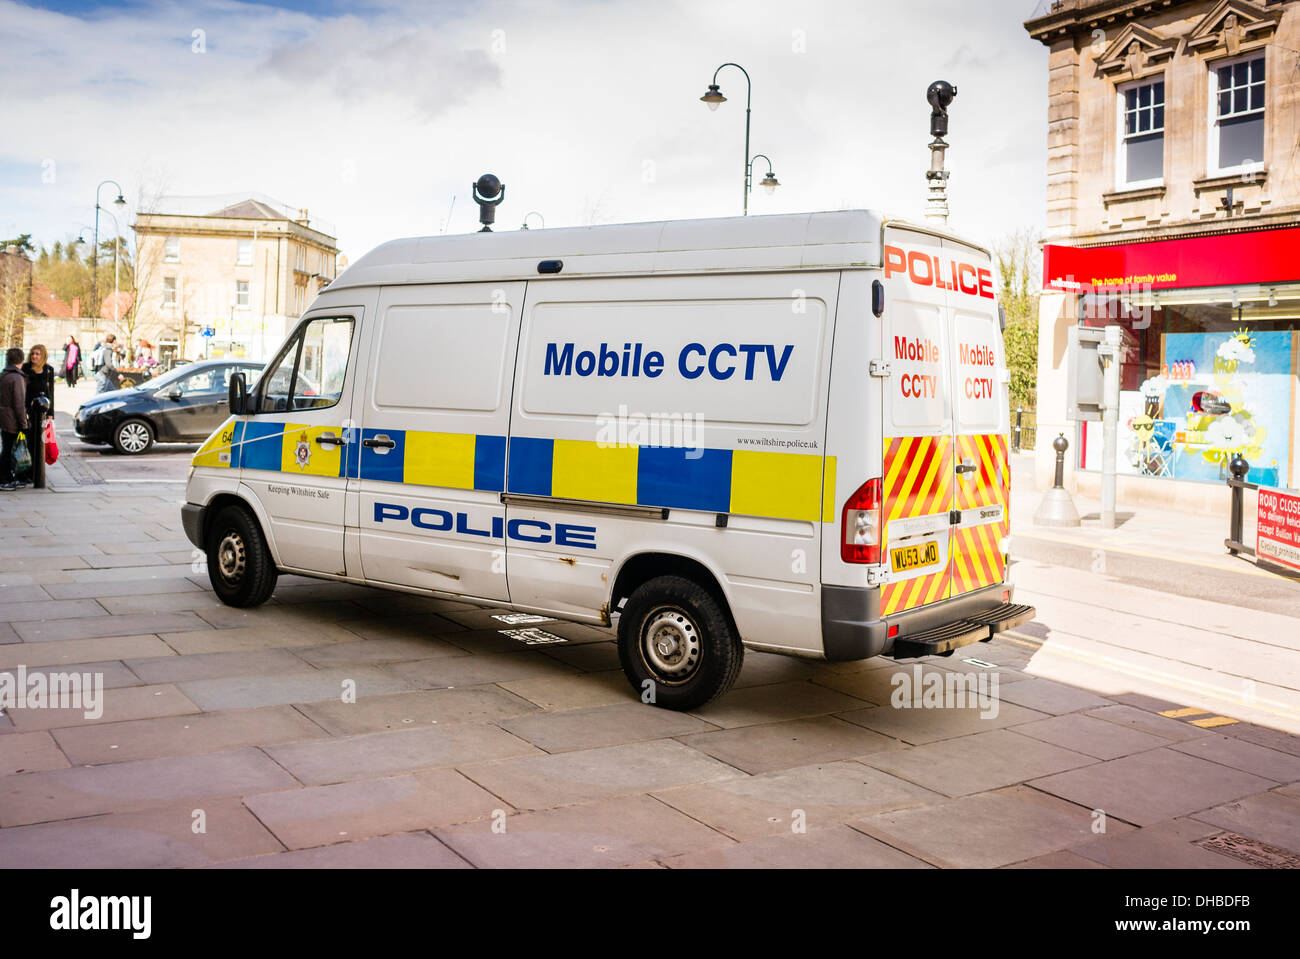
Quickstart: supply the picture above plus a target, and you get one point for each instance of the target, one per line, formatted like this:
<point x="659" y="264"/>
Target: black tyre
<point x="240" y="567"/>
<point x="132" y="437"/>
<point x="677" y="644"/>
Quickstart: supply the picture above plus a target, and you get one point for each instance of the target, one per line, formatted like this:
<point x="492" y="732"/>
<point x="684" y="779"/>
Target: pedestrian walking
<point x="103" y="363"/>
<point x="13" y="414"/>
<point x="71" y="362"/>
<point x="40" y="378"/>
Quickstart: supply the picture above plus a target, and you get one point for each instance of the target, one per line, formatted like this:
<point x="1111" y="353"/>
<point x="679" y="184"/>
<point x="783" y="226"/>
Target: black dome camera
<point x="940" y="95"/>
<point x="488" y="192"/>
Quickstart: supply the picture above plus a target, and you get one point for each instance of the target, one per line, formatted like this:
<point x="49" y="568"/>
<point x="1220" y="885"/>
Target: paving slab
<point x="112" y="674"/>
<point x="422" y="626"/>
<point x="163" y="837"/>
<point x="975" y="763"/>
<point x="986" y="830"/>
<point x="1244" y="755"/>
<point x="1090" y="736"/>
<point x="775" y="703"/>
<point x="614" y="832"/>
<point x="919" y="726"/>
<point x="118" y="705"/>
<point x="540" y="782"/>
<point x="771" y="804"/>
<point x="320" y="815"/>
<point x="143" y="784"/>
<point x="1272" y="817"/>
<point x="835" y="847"/>
<point x="1261" y="736"/>
<point x="468" y="669"/>
<point x="589" y="657"/>
<point x="122" y="588"/>
<point x="473" y="704"/>
<point x="1047" y="696"/>
<point x="375" y="755"/>
<point x="800" y="742"/>
<point x="376" y="651"/>
<point x="209" y="640"/>
<point x="30" y="752"/>
<point x="764" y="669"/>
<point x="1170" y="729"/>
<point x="1152" y="786"/>
<point x="185" y="601"/>
<point x="93" y="627"/>
<point x="406" y="850"/>
<point x="180" y="669"/>
<point x="574" y="691"/>
<point x="47" y="609"/>
<point x="189" y="735"/>
<point x="272" y="616"/>
<point x="303" y="686"/>
<point x="1166" y="845"/>
<point x="73" y="651"/>
<point x="1065" y="859"/>
<point x="622" y="723"/>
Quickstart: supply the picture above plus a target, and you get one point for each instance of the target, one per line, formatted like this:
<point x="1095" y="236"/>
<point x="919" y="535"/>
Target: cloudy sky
<point x="375" y="115"/>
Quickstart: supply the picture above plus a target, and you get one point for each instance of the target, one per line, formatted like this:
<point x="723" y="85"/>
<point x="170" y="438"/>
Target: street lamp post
<point x="713" y="97"/>
<point x="120" y="203"/>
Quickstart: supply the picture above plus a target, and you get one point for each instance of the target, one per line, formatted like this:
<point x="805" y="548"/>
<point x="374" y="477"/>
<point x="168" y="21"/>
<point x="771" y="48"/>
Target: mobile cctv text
<point x="720" y="362"/>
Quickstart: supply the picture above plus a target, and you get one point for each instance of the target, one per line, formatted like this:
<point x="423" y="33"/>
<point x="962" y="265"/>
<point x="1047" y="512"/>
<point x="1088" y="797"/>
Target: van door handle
<point x="380" y="442"/>
<point x="329" y="439"/>
<point x="966" y="468"/>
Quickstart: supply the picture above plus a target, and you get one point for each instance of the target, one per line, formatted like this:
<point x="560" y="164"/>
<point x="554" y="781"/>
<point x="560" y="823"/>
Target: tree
<point x="1017" y="260"/>
<point x="22" y="241"/>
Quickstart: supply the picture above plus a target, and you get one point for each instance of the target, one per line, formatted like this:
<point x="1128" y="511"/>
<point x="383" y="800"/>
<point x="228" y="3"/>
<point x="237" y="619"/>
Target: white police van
<point x="787" y="433"/>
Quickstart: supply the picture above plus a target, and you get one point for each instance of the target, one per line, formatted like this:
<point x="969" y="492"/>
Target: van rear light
<point x="860" y="542"/>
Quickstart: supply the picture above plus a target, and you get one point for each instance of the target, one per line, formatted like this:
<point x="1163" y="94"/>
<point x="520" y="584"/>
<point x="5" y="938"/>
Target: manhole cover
<point x="1252" y="851"/>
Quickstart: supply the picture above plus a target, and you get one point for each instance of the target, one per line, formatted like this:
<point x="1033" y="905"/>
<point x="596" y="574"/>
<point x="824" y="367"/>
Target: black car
<point x="183" y="405"/>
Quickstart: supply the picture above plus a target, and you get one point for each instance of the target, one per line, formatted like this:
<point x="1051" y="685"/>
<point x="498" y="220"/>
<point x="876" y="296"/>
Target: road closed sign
<point x="1277" y="528"/>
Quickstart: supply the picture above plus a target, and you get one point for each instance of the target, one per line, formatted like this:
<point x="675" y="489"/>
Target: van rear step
<point x="1006" y="616"/>
<point x="977" y="628"/>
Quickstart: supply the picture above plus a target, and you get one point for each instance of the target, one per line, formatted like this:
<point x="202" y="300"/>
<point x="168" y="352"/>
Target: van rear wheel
<point x="240" y="567"/>
<point x="677" y="645"/>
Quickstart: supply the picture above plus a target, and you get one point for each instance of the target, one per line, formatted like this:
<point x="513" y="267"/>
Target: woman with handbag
<point x="71" y="361"/>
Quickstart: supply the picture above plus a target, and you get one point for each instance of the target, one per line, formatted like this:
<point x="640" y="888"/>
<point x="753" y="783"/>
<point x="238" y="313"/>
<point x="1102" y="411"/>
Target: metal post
<point x="1056" y="508"/>
<point x="1110" y="425"/>
<point x="1239" y="468"/>
<point x="36" y="439"/>
<point x="1016" y="444"/>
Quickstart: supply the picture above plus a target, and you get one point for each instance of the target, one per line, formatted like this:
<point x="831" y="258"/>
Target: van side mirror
<point x="237" y="394"/>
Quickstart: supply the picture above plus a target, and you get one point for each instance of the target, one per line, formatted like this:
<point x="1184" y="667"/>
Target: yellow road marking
<point x="1213" y="721"/>
<point x="1182" y="713"/>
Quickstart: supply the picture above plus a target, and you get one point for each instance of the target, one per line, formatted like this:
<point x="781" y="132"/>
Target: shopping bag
<point x="51" y="444"/>
<point x="22" y="458"/>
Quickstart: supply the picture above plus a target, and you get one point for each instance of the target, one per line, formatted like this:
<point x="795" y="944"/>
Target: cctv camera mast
<point x="940" y="94"/>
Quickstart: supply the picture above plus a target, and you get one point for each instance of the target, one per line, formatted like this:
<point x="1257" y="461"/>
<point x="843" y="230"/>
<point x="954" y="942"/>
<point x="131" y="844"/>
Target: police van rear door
<point x="917" y="485"/>
<point x="981" y="421"/>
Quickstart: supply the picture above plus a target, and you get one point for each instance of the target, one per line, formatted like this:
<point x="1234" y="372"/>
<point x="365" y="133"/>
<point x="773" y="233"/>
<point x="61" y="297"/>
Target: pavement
<point x="344" y="726"/>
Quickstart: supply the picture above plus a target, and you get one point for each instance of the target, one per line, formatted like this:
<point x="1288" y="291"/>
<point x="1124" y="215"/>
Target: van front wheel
<point x="677" y="645"/>
<point x="240" y="567"/>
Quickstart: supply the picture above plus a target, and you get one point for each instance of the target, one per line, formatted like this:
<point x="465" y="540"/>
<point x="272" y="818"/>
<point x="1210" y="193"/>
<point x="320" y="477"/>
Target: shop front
<point x="1210" y="361"/>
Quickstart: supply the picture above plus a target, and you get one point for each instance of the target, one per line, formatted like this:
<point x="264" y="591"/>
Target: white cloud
<point x="375" y="120"/>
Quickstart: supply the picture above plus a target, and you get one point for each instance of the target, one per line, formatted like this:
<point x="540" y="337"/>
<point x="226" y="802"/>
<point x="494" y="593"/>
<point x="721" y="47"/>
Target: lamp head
<point x="769" y="183"/>
<point x="713" y="97"/>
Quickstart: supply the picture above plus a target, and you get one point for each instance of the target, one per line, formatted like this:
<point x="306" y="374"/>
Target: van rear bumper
<point x="852" y="627"/>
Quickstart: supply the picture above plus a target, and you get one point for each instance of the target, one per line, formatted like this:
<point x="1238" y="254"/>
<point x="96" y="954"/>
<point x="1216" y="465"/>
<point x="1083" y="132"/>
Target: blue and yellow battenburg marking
<point x="746" y="482"/>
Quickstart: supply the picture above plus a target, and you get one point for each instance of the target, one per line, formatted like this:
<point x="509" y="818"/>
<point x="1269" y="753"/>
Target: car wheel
<point x="240" y="567"/>
<point x="133" y="437"/>
<point x="677" y="645"/>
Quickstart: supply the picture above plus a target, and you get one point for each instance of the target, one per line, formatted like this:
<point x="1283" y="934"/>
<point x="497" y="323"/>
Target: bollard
<point x="1056" y="508"/>
<point x="1238" y="467"/>
<point x="1015" y="445"/>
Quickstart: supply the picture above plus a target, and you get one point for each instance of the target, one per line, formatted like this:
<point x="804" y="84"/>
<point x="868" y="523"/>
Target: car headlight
<point x="108" y="407"/>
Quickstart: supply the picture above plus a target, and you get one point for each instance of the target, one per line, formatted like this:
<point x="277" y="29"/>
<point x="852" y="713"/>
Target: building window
<point x="172" y="249"/>
<point x="169" y="291"/>
<point x="1237" y="115"/>
<point x="241" y="294"/>
<point x="300" y="259"/>
<point x="1141" y="156"/>
<point x="244" y="253"/>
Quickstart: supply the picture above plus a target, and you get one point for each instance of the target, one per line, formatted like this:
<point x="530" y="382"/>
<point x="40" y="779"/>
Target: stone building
<point x="1172" y="209"/>
<point x="227" y="276"/>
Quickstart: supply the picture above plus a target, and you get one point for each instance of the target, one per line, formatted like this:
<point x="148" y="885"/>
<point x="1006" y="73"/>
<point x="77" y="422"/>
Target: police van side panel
<point x="700" y="395"/>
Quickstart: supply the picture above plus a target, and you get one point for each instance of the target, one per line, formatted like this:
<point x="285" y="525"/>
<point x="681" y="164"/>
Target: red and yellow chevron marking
<point x="918" y="481"/>
<point x="977" y="559"/>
